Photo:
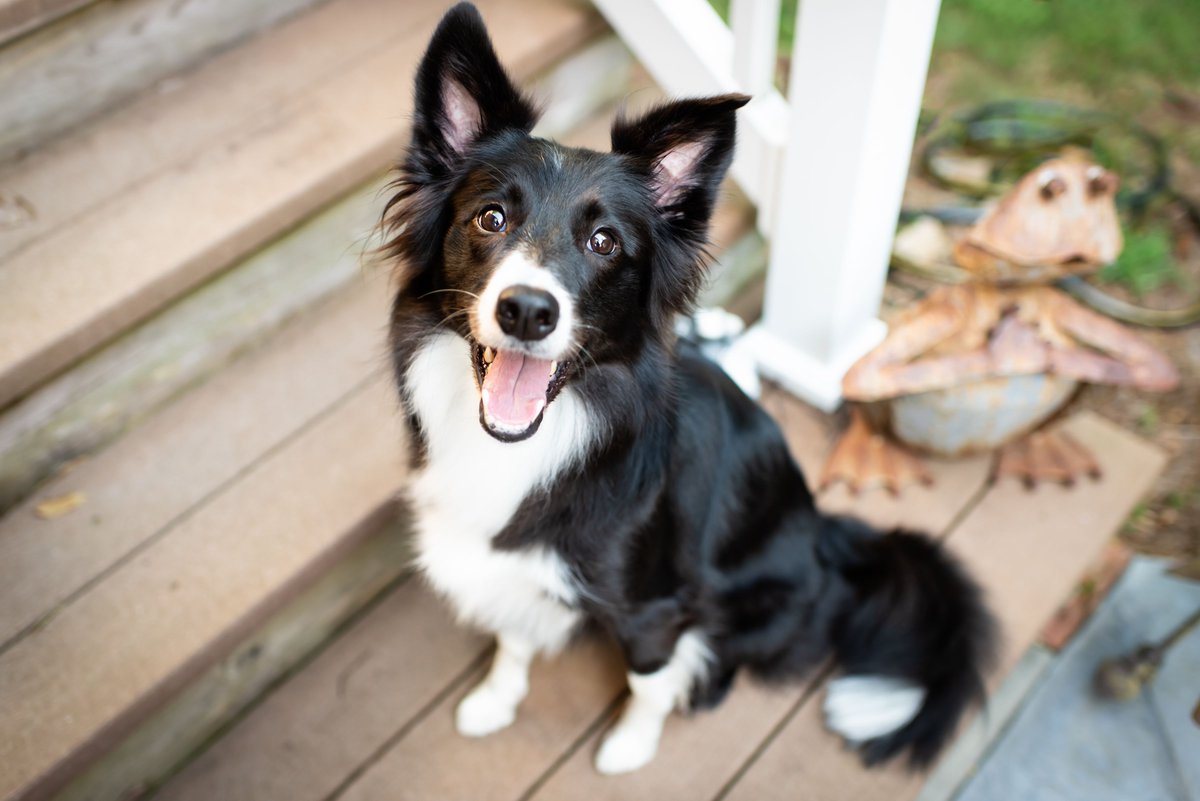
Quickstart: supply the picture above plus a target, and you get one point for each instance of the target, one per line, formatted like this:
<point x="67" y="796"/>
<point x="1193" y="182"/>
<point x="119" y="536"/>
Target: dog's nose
<point x="527" y="313"/>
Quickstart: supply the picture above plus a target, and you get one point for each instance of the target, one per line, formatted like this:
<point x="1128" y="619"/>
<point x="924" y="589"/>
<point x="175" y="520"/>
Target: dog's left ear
<point x="685" y="147"/>
<point x="463" y="93"/>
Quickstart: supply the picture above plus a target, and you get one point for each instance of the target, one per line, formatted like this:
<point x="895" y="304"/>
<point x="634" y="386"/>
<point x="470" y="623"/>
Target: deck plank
<point x="1027" y="550"/>
<point x="328" y="719"/>
<point x="567" y="696"/>
<point x="697" y="755"/>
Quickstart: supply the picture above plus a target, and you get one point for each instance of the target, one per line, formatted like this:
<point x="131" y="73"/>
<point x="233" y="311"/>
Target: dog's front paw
<point x="484" y="711"/>
<point x="629" y="746"/>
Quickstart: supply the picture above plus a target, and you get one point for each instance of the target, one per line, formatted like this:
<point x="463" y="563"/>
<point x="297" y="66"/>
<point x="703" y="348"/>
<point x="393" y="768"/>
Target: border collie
<point x="573" y="461"/>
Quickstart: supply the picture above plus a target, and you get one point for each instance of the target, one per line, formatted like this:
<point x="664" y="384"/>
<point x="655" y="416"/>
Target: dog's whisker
<point x="453" y="315"/>
<point x="459" y="291"/>
<point x="581" y="349"/>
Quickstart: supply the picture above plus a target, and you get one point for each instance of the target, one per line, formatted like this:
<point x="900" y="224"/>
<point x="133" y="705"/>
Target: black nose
<point x="527" y="313"/>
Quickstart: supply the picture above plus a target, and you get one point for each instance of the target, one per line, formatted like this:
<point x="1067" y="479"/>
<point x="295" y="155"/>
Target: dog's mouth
<point x="515" y="389"/>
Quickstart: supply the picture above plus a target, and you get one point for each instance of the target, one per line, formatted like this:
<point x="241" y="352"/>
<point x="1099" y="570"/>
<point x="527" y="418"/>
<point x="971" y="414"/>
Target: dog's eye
<point x="491" y="219"/>
<point x="603" y="242"/>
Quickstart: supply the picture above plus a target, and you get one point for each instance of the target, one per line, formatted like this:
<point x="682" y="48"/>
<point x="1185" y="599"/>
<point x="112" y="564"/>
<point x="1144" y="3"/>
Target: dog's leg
<point x="492" y="705"/>
<point x="633" y="741"/>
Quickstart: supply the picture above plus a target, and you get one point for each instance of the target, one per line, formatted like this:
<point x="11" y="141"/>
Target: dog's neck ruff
<point x="471" y="485"/>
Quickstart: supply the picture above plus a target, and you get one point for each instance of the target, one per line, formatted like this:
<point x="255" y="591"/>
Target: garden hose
<point x="1118" y="309"/>
<point x="1025" y="131"/>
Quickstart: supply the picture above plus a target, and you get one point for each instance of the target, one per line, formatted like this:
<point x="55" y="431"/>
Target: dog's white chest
<point x="469" y="489"/>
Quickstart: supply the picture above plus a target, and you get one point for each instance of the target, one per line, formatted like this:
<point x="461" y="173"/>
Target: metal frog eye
<point x="1100" y="181"/>
<point x="1050" y="185"/>
<point x="492" y="219"/>
<point x="602" y="242"/>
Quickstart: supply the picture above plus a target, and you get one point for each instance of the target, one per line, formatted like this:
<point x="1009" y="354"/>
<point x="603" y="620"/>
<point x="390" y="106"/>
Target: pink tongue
<point x="514" y="389"/>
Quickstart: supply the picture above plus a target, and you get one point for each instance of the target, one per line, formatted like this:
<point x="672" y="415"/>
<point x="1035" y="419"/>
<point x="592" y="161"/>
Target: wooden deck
<point x="370" y="717"/>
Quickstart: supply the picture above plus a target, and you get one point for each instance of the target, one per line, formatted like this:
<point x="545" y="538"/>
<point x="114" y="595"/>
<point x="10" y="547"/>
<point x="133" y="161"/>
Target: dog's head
<point x="550" y="261"/>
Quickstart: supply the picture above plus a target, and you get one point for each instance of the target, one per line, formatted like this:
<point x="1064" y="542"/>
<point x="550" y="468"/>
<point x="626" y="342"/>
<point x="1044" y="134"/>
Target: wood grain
<point x="153" y="478"/>
<point x="80" y="682"/>
<point x="323" y="723"/>
<point x="241" y="89"/>
<point x="62" y="73"/>
<point x="567" y="695"/>
<point x="110" y="391"/>
<point x="164" y="741"/>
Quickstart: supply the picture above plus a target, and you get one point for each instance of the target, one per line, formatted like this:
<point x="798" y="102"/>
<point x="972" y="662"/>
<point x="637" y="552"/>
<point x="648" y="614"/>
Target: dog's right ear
<point x="463" y="93"/>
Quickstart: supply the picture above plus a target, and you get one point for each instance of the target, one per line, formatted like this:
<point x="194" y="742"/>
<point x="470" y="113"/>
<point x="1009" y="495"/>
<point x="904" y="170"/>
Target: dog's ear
<point x="684" y="148"/>
<point x="463" y="93"/>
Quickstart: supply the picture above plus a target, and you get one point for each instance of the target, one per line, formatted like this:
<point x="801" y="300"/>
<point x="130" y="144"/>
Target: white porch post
<point x="857" y="77"/>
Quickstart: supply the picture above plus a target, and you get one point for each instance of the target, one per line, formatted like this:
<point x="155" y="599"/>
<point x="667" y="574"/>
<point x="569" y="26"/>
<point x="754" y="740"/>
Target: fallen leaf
<point x="1097" y="581"/>
<point x="59" y="505"/>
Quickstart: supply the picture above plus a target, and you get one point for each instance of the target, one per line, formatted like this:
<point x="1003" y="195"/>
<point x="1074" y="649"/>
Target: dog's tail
<point x="912" y="641"/>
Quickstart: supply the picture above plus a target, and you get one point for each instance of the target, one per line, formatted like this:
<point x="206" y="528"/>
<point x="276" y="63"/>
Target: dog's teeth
<point x="553" y="367"/>
<point x="488" y="355"/>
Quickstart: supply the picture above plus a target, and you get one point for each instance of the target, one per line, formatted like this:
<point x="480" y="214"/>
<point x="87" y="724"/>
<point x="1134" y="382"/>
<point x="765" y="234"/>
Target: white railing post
<point x="755" y="25"/>
<point x="857" y="77"/>
<point x="689" y="51"/>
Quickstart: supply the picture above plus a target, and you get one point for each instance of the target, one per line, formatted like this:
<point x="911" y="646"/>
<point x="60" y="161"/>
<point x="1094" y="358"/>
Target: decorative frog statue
<point x="982" y="365"/>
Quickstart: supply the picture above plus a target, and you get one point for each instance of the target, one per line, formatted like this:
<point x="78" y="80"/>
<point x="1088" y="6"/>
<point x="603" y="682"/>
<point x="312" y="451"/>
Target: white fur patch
<point x="469" y="489"/>
<point x="861" y="708"/>
<point x="519" y="268"/>
<point x="633" y="741"/>
<point x="492" y="705"/>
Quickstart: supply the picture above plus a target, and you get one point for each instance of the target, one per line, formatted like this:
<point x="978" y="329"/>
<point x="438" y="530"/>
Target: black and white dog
<point x="573" y="461"/>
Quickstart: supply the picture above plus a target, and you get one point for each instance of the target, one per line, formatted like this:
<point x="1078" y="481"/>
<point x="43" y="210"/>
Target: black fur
<point x="689" y="512"/>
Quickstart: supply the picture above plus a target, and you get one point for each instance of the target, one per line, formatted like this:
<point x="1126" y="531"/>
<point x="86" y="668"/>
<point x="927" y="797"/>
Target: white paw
<point x="627" y="748"/>
<point x="483" y="712"/>
<point x="861" y="708"/>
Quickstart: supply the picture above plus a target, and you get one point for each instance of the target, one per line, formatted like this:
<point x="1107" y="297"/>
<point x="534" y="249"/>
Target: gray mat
<point x="1067" y="745"/>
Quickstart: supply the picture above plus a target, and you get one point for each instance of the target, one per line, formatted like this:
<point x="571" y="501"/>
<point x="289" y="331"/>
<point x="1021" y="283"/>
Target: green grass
<point x="1089" y="41"/>
<point x="1145" y="264"/>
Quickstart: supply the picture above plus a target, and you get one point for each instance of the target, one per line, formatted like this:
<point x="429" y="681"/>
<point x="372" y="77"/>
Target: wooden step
<point x="76" y="59"/>
<point x="161" y="195"/>
<point x="371" y="717"/>
<point x="113" y="389"/>
<point x="193" y="529"/>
